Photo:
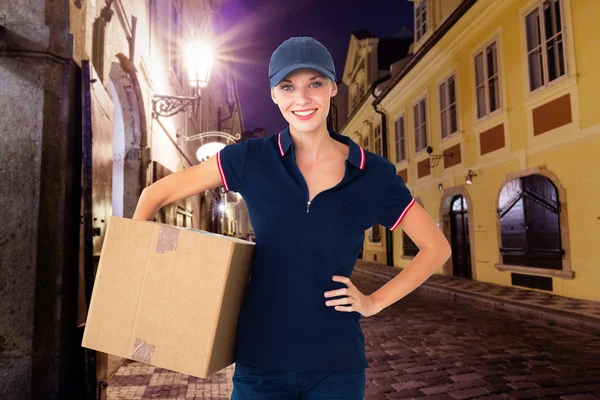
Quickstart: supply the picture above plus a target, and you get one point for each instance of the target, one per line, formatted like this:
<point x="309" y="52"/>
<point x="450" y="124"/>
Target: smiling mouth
<point x="305" y="113"/>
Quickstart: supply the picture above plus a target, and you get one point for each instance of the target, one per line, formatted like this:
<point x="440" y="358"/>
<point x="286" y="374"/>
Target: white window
<point x="378" y="140"/>
<point x="448" y="107"/>
<point x="420" y="115"/>
<point x="400" y="139"/>
<point x="487" y="80"/>
<point x="545" y="43"/>
<point x="366" y="143"/>
<point x="421" y="19"/>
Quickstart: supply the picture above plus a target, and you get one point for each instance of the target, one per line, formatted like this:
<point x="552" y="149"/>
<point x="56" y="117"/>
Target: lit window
<point x="420" y="115"/>
<point x="545" y="43"/>
<point x="448" y="107"/>
<point x="421" y="19"/>
<point x="487" y="80"/>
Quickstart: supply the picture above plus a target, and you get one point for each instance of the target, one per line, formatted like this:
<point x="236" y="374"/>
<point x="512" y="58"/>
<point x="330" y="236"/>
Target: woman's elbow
<point x="442" y="246"/>
<point x="439" y="246"/>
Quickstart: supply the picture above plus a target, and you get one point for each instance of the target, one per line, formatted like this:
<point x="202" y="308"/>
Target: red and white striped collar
<point x="357" y="155"/>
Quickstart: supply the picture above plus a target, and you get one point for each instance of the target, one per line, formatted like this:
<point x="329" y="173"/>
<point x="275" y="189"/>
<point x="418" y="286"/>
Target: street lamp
<point x="199" y="59"/>
<point x="207" y="148"/>
<point x="469" y="177"/>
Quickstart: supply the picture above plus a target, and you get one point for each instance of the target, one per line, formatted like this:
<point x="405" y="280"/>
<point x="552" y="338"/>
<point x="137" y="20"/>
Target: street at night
<point x="428" y="348"/>
<point x="299" y="199"/>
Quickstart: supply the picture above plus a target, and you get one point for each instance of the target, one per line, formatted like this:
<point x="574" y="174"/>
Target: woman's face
<point x="303" y="98"/>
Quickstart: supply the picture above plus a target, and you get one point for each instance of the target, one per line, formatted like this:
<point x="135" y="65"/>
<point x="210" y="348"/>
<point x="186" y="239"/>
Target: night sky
<point x="253" y="29"/>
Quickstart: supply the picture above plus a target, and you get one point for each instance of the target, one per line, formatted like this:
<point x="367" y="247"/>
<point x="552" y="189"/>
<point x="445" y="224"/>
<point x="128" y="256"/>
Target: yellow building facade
<point x="491" y="118"/>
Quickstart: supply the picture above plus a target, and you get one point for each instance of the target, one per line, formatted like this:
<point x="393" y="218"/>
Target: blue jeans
<point x="250" y="382"/>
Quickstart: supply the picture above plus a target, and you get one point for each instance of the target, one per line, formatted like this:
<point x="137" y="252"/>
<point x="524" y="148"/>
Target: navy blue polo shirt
<point x="300" y="244"/>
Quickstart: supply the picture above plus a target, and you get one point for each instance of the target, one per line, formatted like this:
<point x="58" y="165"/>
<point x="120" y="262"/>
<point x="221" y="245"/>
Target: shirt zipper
<point x="308" y="203"/>
<point x="307" y="194"/>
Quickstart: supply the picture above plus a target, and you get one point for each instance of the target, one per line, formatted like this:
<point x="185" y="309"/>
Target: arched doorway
<point x="118" y="178"/>
<point x="460" y="238"/>
<point x="530" y="227"/>
<point x="129" y="135"/>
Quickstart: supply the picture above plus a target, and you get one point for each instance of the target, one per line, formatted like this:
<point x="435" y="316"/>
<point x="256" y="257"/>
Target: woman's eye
<point x="287" y="88"/>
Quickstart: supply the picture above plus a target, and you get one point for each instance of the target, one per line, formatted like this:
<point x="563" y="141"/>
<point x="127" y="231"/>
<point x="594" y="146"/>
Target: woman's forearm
<point x="422" y="266"/>
<point x="148" y="205"/>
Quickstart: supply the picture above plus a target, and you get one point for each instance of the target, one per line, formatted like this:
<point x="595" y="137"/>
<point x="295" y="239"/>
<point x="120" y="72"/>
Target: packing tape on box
<point x="142" y="351"/>
<point x="168" y="237"/>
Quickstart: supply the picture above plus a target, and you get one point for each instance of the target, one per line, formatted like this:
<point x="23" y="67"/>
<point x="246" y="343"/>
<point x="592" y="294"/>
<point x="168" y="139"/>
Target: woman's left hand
<point x="357" y="301"/>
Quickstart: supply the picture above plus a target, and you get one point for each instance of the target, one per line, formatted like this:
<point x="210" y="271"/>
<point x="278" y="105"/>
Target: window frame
<point x="400" y="141"/>
<point x="425" y="124"/>
<point x="445" y="81"/>
<point x="374" y="233"/>
<point x="542" y="44"/>
<point x="482" y="51"/>
<point x="378" y="140"/>
<point x="420" y="21"/>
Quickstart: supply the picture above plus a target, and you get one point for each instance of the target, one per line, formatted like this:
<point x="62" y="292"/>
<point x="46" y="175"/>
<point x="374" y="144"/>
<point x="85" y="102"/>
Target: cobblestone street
<point x="428" y="348"/>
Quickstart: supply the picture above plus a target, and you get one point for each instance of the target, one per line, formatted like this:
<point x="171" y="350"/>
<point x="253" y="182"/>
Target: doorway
<point x="460" y="239"/>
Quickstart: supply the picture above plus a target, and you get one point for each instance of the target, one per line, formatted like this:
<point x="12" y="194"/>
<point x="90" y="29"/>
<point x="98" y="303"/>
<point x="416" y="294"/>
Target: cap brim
<point x="275" y="79"/>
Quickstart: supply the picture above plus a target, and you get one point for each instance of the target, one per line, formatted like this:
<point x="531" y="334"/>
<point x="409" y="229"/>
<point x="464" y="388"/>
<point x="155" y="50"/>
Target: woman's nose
<point x="302" y="97"/>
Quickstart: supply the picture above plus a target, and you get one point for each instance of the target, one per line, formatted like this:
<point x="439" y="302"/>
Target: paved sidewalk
<point x="135" y="381"/>
<point x="582" y="315"/>
<point x="427" y="347"/>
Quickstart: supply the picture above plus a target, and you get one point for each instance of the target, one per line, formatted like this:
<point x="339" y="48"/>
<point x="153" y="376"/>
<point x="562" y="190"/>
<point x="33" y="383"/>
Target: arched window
<point x="529" y="211"/>
<point x="459" y="204"/>
<point x="374" y="233"/>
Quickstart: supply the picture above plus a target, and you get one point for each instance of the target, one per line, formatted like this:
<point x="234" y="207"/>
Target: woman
<point x="311" y="194"/>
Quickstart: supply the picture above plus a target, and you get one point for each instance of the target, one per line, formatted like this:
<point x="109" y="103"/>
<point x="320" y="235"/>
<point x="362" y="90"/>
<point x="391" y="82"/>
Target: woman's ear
<point x="335" y="89"/>
<point x="273" y="95"/>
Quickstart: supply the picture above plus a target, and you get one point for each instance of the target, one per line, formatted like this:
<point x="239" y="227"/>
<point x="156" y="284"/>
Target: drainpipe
<point x="389" y="235"/>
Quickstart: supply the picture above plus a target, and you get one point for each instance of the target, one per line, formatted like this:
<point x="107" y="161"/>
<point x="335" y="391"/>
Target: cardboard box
<point x="168" y="296"/>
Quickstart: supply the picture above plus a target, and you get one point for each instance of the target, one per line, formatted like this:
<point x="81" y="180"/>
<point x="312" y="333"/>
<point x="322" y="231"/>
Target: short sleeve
<point x="231" y="161"/>
<point x="396" y="203"/>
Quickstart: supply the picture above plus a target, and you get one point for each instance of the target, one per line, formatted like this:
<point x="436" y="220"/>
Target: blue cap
<point x="300" y="52"/>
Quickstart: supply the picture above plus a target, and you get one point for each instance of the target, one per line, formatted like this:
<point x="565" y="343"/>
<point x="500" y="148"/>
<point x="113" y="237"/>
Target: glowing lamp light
<point x="469" y="177"/>
<point x="199" y="60"/>
<point x="208" y="150"/>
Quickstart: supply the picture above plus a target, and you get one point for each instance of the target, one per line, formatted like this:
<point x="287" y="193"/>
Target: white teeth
<point x="304" y="113"/>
